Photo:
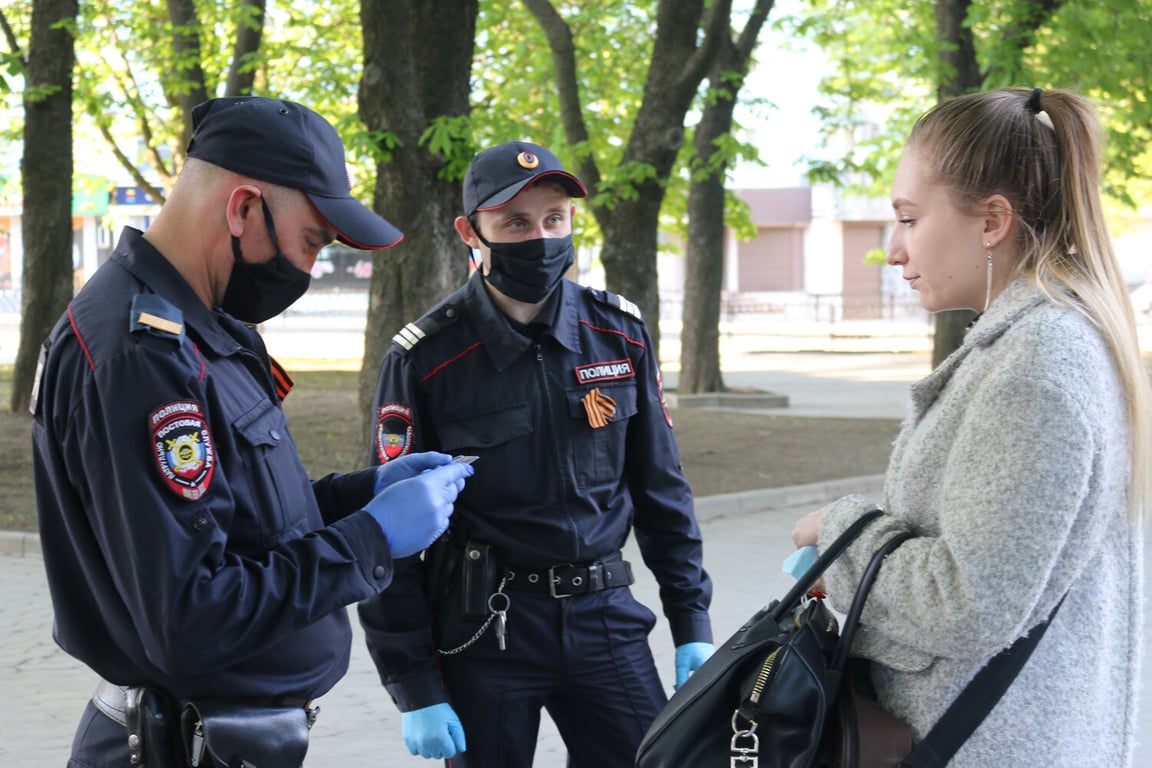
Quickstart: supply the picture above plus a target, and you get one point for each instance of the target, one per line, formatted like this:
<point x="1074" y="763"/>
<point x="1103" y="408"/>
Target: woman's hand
<point x="807" y="529"/>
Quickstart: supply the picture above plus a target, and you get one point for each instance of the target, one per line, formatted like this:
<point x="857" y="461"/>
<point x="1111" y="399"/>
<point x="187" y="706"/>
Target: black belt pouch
<point x="480" y="577"/>
<point x="151" y="718"/>
<point x="223" y="734"/>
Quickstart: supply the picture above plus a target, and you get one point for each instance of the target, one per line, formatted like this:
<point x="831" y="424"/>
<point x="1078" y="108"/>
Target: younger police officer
<point x="555" y="388"/>
<point x="187" y="551"/>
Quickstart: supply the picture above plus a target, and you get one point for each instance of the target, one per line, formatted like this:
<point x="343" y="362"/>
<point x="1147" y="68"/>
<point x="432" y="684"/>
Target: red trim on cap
<point x="344" y="238"/>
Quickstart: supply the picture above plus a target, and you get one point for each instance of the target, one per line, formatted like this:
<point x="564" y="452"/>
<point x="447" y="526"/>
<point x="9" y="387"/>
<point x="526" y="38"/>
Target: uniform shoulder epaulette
<point x="617" y="301"/>
<point x="432" y="323"/>
<point x="153" y="314"/>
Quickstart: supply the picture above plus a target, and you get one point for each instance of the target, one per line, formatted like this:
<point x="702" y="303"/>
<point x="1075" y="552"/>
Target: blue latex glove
<point x="689" y="657"/>
<point x="407" y="467"/>
<point x="800" y="561"/>
<point x="434" y="732"/>
<point x="414" y="512"/>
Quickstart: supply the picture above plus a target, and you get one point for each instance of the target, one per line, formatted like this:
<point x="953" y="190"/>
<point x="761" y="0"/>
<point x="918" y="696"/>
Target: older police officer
<point x="189" y="556"/>
<point x="555" y="388"/>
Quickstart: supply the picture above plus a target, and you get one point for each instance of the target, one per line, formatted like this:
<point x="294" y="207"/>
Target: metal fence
<point x="806" y="308"/>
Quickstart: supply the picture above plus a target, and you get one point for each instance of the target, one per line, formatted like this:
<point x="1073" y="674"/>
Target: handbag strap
<point x="785" y="604"/>
<point x="977" y="699"/>
<point x="852" y="619"/>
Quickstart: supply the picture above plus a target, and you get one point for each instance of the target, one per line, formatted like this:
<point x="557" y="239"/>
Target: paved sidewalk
<point x="746" y="535"/>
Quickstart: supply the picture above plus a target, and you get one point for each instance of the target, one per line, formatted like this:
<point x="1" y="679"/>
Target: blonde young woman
<point x="1023" y="467"/>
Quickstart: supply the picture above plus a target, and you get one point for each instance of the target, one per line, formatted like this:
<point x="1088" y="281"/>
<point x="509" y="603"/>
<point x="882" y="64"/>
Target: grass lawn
<point x="721" y="451"/>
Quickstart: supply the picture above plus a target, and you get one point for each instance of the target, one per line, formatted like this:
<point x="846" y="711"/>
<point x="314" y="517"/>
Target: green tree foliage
<point x="893" y="60"/>
<point x="142" y="65"/>
<point x="515" y="95"/>
<point x="887" y="71"/>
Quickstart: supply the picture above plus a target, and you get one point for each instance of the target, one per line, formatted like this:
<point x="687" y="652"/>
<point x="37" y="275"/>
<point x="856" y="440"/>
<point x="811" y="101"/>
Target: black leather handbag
<point x="783" y="693"/>
<point x="763" y="698"/>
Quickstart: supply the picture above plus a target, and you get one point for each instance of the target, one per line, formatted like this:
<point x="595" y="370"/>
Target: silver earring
<point x="988" y="289"/>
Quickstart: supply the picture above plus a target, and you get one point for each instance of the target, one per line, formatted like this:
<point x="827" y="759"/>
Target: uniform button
<point x="379" y="572"/>
<point x="275" y="435"/>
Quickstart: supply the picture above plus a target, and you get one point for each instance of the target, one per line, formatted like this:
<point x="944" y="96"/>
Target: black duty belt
<point x="571" y="578"/>
<point x="112" y="700"/>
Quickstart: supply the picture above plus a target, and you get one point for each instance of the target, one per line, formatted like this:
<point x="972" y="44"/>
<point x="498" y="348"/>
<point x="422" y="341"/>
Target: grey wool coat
<point x="1011" y="470"/>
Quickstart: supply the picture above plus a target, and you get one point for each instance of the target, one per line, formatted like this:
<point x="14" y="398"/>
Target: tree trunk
<point x="703" y="282"/>
<point x="186" y="46"/>
<point x="630" y="220"/>
<point x="417" y="68"/>
<point x="46" y="171"/>
<point x="241" y="74"/>
<point x="959" y="74"/>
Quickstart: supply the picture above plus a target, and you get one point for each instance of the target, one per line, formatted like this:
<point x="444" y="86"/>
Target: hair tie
<point x="1034" y="101"/>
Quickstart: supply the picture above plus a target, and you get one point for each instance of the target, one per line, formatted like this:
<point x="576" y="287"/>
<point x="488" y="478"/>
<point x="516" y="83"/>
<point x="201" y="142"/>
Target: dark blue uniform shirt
<point x="576" y="451"/>
<point x="185" y="546"/>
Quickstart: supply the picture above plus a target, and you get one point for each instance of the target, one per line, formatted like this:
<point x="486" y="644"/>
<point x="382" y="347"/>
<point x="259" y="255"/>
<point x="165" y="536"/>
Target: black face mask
<point x="259" y="292"/>
<point x="529" y="270"/>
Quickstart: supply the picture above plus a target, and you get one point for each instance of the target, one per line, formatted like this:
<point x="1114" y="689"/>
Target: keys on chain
<point x="498" y="603"/>
<point x="501" y="630"/>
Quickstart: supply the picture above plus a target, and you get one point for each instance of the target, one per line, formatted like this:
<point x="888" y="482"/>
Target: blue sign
<point x="133" y="196"/>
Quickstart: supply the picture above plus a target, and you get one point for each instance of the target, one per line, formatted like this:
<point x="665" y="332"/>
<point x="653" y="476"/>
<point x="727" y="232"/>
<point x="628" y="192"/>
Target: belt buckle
<point x="553" y="580"/>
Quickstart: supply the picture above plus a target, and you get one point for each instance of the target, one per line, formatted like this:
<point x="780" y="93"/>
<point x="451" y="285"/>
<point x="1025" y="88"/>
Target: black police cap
<point x="289" y="145"/>
<point x="497" y="175"/>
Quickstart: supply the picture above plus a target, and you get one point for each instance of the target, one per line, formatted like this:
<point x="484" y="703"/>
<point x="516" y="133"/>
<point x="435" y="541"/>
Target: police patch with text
<point x="606" y="371"/>
<point x="182" y="445"/>
<point x="393" y="431"/>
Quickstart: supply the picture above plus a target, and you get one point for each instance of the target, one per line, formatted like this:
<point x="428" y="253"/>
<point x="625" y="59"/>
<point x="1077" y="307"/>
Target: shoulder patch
<point x="155" y="315"/>
<point x="182" y="445"/>
<point x="617" y="301"/>
<point x="394" y="431"/>
<point x="429" y="325"/>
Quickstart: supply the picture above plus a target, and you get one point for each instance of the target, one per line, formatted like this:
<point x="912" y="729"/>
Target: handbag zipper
<point x="745" y="744"/>
<point x="762" y="677"/>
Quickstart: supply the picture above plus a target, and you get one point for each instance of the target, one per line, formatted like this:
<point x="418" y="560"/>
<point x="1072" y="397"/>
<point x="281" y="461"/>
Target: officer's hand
<point x="433" y="732"/>
<point x="689" y="657"/>
<point x="407" y="466"/>
<point x="414" y="512"/>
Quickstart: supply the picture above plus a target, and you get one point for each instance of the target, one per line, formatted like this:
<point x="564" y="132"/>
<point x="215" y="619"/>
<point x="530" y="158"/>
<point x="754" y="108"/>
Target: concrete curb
<point x="19" y="544"/>
<point x="817" y="494"/>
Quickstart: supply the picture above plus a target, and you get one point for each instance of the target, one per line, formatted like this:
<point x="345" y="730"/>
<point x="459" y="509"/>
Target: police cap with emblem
<point x="291" y="146"/>
<point x="497" y="175"/>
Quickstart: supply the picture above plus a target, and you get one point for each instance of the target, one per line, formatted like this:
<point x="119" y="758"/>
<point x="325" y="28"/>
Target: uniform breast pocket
<point x="278" y="491"/>
<point x="599" y="431"/>
<point x="482" y="431"/>
<point x="509" y="473"/>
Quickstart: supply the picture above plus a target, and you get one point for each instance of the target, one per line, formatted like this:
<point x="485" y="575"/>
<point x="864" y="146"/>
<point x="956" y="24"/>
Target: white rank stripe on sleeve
<point x="409" y="336"/>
